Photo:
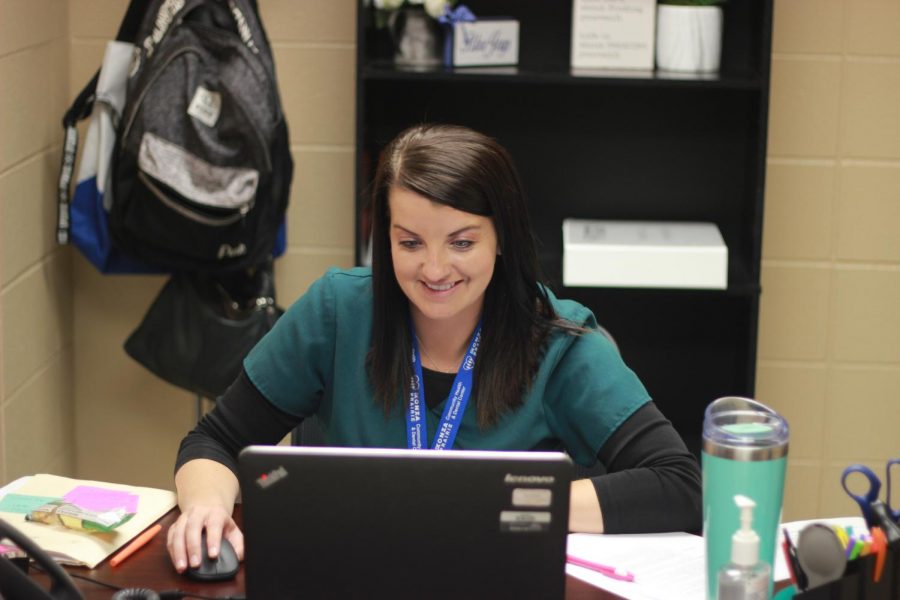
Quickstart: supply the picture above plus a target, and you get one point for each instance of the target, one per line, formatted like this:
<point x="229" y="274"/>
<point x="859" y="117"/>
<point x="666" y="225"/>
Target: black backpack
<point x="202" y="165"/>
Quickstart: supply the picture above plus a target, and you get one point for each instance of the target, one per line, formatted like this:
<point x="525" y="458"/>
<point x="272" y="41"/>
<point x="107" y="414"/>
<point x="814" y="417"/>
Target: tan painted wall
<point x="36" y="345"/>
<point x="829" y="339"/>
<point x="829" y="356"/>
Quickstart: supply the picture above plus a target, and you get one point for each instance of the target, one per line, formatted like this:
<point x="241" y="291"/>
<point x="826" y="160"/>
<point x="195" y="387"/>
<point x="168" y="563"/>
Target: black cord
<point x="37" y="567"/>
<point x="164" y="595"/>
<point x="178" y="595"/>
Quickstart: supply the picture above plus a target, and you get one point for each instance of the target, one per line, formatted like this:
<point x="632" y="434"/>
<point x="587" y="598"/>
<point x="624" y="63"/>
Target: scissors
<point x="873" y="509"/>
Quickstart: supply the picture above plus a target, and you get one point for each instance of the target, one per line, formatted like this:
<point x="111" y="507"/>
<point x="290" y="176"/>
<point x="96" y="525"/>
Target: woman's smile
<point x="442" y="289"/>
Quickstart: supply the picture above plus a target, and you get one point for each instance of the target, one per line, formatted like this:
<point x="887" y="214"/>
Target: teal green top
<point x="313" y="362"/>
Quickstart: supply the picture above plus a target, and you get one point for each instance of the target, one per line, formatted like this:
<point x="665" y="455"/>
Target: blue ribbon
<point x="459" y="14"/>
<point x="452" y="16"/>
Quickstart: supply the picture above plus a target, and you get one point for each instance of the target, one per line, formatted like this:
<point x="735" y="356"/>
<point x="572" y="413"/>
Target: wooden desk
<point x="150" y="568"/>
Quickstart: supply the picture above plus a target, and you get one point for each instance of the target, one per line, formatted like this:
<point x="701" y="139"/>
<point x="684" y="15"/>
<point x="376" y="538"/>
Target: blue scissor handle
<point x="864" y="501"/>
<point x="890" y="463"/>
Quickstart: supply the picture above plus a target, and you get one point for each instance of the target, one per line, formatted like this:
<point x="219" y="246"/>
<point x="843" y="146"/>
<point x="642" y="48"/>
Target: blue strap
<point x="455" y="408"/>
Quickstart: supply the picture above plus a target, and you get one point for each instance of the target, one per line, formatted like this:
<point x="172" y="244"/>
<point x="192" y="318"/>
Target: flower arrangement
<point x="692" y="2"/>
<point x="434" y="8"/>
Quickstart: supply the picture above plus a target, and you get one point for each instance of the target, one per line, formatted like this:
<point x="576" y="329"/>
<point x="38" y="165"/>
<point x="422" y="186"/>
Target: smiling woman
<point x="443" y="260"/>
<point x="449" y="341"/>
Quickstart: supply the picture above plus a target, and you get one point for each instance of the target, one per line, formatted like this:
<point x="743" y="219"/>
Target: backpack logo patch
<point x="228" y="251"/>
<point x="206" y="106"/>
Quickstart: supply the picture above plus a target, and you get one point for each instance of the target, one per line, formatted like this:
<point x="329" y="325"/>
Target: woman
<point x="452" y="301"/>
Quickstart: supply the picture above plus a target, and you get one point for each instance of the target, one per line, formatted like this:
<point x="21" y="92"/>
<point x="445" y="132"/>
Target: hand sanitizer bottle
<point x="745" y="577"/>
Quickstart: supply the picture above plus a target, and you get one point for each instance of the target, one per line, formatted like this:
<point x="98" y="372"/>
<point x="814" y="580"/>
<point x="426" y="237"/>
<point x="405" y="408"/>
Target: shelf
<point x="739" y="281"/>
<point x="615" y="145"/>
<point x="387" y="71"/>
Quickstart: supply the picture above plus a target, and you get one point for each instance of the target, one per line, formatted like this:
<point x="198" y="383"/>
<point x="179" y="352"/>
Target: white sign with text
<point x="613" y="34"/>
<point x="486" y="42"/>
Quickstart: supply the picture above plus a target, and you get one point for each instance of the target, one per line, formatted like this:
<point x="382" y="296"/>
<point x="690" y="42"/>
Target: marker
<point x="135" y="545"/>
<point x="613" y="572"/>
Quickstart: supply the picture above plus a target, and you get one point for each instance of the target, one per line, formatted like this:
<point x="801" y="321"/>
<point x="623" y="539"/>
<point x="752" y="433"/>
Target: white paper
<point x="12" y="486"/>
<point x="665" y="565"/>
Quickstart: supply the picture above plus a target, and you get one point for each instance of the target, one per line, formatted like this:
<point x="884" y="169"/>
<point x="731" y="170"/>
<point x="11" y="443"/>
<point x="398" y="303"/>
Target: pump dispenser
<point x="745" y="577"/>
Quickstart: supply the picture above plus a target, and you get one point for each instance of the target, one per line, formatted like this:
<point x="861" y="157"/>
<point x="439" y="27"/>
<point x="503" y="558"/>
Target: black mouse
<point x="225" y="566"/>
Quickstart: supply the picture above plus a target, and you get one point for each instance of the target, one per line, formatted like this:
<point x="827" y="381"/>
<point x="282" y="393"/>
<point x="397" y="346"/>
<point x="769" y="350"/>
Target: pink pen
<point x="613" y="572"/>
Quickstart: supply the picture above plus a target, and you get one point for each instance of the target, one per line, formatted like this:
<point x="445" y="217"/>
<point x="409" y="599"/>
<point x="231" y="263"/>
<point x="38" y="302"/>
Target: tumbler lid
<point x="744" y="429"/>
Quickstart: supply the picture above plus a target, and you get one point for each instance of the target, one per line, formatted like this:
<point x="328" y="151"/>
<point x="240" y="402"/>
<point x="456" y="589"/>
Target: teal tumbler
<point x="745" y="446"/>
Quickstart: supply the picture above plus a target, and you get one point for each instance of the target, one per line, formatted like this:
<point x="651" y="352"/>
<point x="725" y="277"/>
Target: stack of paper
<point x="74" y="547"/>
<point x="665" y="565"/>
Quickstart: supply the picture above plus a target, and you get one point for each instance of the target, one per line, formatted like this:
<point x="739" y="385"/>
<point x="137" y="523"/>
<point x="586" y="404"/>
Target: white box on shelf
<point x="485" y="42"/>
<point x="613" y="34"/>
<point x="644" y="254"/>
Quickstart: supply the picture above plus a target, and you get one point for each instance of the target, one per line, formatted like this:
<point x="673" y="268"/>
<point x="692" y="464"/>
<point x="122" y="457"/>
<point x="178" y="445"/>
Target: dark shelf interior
<point x="612" y="145"/>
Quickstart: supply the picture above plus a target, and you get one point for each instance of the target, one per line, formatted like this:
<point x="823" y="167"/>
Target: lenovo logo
<point x="534" y="479"/>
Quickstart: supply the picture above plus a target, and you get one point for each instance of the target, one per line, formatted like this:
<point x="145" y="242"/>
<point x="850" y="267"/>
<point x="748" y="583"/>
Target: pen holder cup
<point x="858" y="584"/>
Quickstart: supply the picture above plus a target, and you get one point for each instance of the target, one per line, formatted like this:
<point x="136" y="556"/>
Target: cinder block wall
<point x="829" y="340"/>
<point x="36" y="334"/>
<point x="829" y="357"/>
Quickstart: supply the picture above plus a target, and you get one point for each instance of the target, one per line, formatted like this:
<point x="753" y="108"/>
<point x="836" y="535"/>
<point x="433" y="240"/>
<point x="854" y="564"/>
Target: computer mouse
<point x="224" y="566"/>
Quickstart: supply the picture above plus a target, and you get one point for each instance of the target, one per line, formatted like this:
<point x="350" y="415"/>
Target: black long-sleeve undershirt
<point x="652" y="482"/>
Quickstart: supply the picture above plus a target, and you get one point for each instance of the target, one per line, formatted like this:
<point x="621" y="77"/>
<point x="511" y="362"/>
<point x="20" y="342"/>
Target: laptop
<point x="381" y="523"/>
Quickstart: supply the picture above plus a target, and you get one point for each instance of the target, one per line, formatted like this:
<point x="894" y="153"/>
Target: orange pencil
<point x="135" y="545"/>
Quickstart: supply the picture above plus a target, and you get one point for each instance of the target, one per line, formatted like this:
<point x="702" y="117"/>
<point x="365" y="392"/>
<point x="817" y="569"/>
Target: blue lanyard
<point x="416" y="433"/>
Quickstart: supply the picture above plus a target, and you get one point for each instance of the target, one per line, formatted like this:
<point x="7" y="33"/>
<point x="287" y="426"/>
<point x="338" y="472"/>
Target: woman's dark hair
<point x="472" y="172"/>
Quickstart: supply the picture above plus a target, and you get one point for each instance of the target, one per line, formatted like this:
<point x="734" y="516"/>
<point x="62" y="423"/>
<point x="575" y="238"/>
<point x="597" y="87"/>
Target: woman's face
<point x="443" y="257"/>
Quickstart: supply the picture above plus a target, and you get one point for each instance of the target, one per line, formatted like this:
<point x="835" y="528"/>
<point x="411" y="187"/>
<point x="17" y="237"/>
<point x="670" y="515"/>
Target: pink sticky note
<point x="100" y="499"/>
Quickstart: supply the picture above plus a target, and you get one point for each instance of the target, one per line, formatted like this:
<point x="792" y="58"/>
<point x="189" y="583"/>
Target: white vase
<point x="688" y="38"/>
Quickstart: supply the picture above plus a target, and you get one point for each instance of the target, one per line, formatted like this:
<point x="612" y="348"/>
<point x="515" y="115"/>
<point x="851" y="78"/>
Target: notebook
<point x="380" y="523"/>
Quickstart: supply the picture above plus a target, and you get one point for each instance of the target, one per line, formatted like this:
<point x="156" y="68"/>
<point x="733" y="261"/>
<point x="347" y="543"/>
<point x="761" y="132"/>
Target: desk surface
<point x="150" y="568"/>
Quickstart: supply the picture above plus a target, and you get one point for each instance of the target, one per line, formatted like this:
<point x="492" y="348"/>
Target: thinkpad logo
<point x="533" y="479"/>
<point x="267" y="480"/>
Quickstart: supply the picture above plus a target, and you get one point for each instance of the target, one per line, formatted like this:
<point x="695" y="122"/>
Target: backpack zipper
<point x="146" y="88"/>
<point x="190" y="214"/>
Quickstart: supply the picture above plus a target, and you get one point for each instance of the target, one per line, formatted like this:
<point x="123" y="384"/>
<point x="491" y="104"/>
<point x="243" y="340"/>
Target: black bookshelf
<point x="614" y="145"/>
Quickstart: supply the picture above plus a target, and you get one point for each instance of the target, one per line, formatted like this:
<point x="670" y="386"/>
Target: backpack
<point x="198" y="174"/>
<point x="202" y="168"/>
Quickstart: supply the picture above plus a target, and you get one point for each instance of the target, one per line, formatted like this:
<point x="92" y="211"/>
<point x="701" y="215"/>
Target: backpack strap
<point x="81" y="108"/>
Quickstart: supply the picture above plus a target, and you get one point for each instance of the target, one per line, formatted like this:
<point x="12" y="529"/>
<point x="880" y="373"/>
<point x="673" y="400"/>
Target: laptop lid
<point x="381" y="523"/>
